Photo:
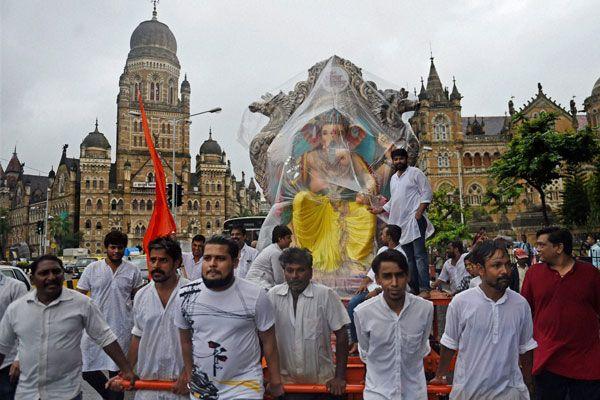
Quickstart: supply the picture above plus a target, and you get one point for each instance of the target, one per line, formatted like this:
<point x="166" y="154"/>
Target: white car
<point x="16" y="273"/>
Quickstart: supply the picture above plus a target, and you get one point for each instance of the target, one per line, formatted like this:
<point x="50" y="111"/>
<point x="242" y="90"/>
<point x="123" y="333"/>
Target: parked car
<point x="76" y="268"/>
<point x="16" y="273"/>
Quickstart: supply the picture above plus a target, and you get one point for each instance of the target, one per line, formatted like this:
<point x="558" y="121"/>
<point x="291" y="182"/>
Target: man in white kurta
<point x="491" y="327"/>
<point x="192" y="262"/>
<point x="247" y="253"/>
<point x="266" y="271"/>
<point x="159" y="352"/>
<point x="393" y="344"/>
<point x="10" y="290"/>
<point x="410" y="195"/>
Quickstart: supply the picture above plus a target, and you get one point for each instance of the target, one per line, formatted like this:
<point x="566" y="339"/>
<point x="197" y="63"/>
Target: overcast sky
<point x="61" y="60"/>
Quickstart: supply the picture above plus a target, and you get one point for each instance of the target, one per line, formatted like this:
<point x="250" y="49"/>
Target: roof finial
<point x="96" y="124"/>
<point x="154" y="13"/>
<point x="15" y="151"/>
<point x="210" y="133"/>
<point x="430" y="52"/>
<point x="453" y="79"/>
<point x="185" y="76"/>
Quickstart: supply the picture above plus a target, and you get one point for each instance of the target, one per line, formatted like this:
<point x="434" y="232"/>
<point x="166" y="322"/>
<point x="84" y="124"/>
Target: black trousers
<point x="549" y="386"/>
<point x="97" y="380"/>
<point x="7" y="389"/>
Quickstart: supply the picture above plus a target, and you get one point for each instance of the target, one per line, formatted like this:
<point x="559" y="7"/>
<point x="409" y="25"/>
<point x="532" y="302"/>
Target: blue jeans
<point x="352" y="304"/>
<point x="416" y="254"/>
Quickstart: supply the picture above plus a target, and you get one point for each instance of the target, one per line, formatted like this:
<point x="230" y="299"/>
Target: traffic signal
<point x="170" y="194"/>
<point x="179" y="199"/>
<point x="40" y="227"/>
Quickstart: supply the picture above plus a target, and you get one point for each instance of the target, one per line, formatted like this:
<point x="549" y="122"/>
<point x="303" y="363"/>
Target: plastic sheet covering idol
<point x="323" y="158"/>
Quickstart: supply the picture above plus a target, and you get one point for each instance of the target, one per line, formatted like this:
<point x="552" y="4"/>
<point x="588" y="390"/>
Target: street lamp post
<point x="174" y="122"/>
<point x="46" y="221"/>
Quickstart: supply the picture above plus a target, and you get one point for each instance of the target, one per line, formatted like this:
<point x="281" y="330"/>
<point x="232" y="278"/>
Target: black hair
<point x="395" y="232"/>
<point x="457" y="244"/>
<point x="232" y="247"/>
<point x="199" y="238"/>
<point x="46" y="257"/>
<point x="279" y="232"/>
<point x="169" y="245"/>
<point x="399" y="153"/>
<point x="296" y="255"/>
<point x="469" y="257"/>
<point x="239" y="228"/>
<point x="390" y="255"/>
<point x="484" y="250"/>
<point x="116" y="238"/>
<point x="558" y="235"/>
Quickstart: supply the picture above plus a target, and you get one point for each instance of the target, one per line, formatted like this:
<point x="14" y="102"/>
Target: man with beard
<point x="192" y="262"/>
<point x="411" y="194"/>
<point x="393" y="333"/>
<point x="222" y="321"/>
<point x="112" y="283"/>
<point x="155" y="346"/>
<point x="48" y="324"/>
<point x="564" y="295"/>
<point x="454" y="270"/>
<point x="305" y="340"/>
<point x="247" y="254"/>
<point x="491" y="327"/>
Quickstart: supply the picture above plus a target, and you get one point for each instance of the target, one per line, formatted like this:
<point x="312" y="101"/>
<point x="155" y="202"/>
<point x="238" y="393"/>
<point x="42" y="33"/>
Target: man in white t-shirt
<point x="10" y="290"/>
<point x="492" y="329"/>
<point x="304" y="341"/>
<point x="247" y="253"/>
<point x="222" y="321"/>
<point x="192" y="262"/>
<point x="390" y="237"/>
<point x="454" y="269"/>
<point x="266" y="271"/>
<point x="112" y="283"/>
<point x="155" y="348"/>
<point x="393" y="333"/>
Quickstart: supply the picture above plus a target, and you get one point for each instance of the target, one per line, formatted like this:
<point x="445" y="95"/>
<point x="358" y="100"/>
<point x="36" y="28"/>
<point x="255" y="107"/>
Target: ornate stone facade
<point x="99" y="195"/>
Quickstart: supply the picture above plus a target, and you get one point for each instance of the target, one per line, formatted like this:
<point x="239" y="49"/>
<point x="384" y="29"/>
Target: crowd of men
<point x="207" y="318"/>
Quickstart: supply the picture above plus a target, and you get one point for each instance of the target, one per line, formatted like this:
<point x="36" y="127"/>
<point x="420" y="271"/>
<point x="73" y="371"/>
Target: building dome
<point x="596" y="88"/>
<point x="210" y="146"/>
<point x="96" y="139"/>
<point x="153" y="39"/>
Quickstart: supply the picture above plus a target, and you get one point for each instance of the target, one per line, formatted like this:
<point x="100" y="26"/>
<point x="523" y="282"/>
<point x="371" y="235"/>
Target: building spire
<point x="96" y="124"/>
<point x="455" y="95"/>
<point x="154" y="13"/>
<point x="423" y="92"/>
<point x="210" y="133"/>
<point x="435" y="90"/>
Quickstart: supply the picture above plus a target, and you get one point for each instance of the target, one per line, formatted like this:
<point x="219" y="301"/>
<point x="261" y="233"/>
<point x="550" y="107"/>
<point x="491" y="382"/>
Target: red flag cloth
<point x="162" y="222"/>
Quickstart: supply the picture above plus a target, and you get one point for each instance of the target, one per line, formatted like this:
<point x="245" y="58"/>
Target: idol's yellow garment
<point x="333" y="232"/>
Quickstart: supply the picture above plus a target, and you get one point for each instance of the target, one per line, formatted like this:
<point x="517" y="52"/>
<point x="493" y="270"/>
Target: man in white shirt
<point x="192" y="262"/>
<point x="492" y="329"/>
<point x="48" y="324"/>
<point x="266" y="271"/>
<point x="411" y="194"/>
<point x="10" y="290"/>
<point x="112" y="283"/>
<point x="155" y="346"/>
<point x="221" y="319"/>
<point x="390" y="237"/>
<point x="306" y="314"/>
<point x="247" y="253"/>
<point x="393" y="334"/>
<point x="453" y="271"/>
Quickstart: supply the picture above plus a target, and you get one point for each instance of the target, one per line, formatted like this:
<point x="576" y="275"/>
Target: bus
<point x="252" y="225"/>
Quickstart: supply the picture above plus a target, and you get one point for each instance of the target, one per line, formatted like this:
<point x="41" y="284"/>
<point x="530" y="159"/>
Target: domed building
<point x="592" y="106"/>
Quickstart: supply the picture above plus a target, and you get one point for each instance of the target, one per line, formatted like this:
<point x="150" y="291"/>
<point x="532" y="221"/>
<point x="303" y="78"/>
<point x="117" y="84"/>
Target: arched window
<point x="138" y="230"/>
<point x="98" y="225"/>
<point x="207" y="187"/>
<point x="136" y="87"/>
<point x="196" y="205"/>
<point x="151" y="90"/>
<point x="189" y="205"/>
<point x="135" y="126"/>
<point x="217" y="206"/>
<point x="87" y="183"/>
<point x="208" y="206"/>
<point x="195" y="230"/>
<point x="162" y="128"/>
<point x="142" y="205"/>
<point x="496" y="155"/>
<point x="218" y="223"/>
<point x="99" y="205"/>
<point x="443" y="160"/>
<point x="219" y="187"/>
<point x="157" y="96"/>
<point x="208" y="225"/>
<point x="474" y="194"/>
<point x="88" y="224"/>
<point x="143" y="230"/>
<point x="487" y="161"/>
<point x="149" y="205"/>
<point x="213" y="187"/>
<point x="169" y="129"/>
<point x="171" y="93"/>
<point x="141" y="127"/>
<point x="467" y="160"/>
<point x="113" y="205"/>
<point x="120" y="205"/>
<point x="134" y="205"/>
<point x="441" y="128"/>
<point x="477" y="160"/>
<point x="88" y="205"/>
<point x="95" y="184"/>
<point x="101" y="183"/>
<point x="150" y="177"/>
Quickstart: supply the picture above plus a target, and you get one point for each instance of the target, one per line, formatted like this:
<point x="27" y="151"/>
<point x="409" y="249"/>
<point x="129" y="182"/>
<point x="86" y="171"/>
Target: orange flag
<point x="162" y="222"/>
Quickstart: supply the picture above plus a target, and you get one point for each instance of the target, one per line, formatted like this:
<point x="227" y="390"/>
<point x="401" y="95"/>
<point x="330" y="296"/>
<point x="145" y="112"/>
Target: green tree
<point x="593" y="190"/>
<point x="61" y="231"/>
<point x="575" y="208"/>
<point x="536" y="154"/>
<point x="444" y="213"/>
<point x="5" y="229"/>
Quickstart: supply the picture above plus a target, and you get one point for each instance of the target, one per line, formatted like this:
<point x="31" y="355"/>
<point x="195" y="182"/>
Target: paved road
<point x="90" y="394"/>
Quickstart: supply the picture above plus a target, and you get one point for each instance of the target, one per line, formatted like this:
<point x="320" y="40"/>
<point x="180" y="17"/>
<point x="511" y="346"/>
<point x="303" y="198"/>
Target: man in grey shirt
<point x="266" y="270"/>
<point x="49" y="337"/>
<point x="10" y="290"/>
